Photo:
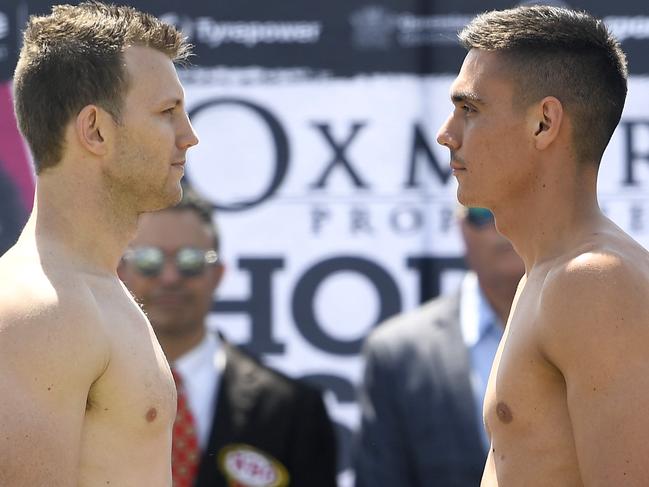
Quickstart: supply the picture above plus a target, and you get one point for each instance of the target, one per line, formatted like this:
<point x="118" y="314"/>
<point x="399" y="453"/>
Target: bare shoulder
<point x="51" y="352"/>
<point x="599" y="296"/>
<point x="592" y="319"/>
<point x="605" y="277"/>
<point x="46" y="313"/>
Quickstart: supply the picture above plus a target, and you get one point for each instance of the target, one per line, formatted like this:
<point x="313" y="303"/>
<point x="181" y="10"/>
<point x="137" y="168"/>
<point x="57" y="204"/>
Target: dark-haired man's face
<point x="175" y="304"/>
<point x="488" y="136"/>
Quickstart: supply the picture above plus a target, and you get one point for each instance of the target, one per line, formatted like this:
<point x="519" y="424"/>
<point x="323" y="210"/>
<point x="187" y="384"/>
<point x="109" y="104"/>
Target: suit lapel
<point x="240" y="388"/>
<point x="235" y="402"/>
<point x="456" y="361"/>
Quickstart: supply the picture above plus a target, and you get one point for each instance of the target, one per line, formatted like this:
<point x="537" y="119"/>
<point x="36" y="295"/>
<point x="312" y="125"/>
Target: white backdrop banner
<point x="336" y="207"/>
<point x="317" y="124"/>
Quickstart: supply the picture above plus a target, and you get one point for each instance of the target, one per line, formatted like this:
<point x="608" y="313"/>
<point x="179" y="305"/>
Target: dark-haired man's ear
<point x="90" y="126"/>
<point x="547" y="122"/>
<point x="542" y="126"/>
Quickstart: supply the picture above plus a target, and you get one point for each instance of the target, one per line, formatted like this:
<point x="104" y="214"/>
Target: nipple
<point x="151" y="414"/>
<point x="504" y="413"/>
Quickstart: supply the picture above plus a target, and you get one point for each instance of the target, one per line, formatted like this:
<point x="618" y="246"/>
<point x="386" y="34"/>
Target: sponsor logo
<point x="206" y="30"/>
<point x="375" y="27"/>
<point x="248" y="75"/>
<point x="552" y="3"/>
<point x="272" y="164"/>
<point x="624" y="28"/>
<point x="246" y="466"/>
<point x="4" y="25"/>
<point x="417" y="30"/>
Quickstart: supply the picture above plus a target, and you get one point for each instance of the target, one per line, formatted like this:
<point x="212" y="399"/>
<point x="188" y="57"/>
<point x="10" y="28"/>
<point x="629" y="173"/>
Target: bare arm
<point x="596" y="332"/>
<point x="49" y="357"/>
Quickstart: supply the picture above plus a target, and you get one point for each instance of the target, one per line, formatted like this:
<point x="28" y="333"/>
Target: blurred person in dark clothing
<point x="238" y="422"/>
<point x="426" y="373"/>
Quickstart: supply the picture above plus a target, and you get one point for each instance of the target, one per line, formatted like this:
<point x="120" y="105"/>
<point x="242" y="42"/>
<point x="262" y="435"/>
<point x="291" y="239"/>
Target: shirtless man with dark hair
<point x="87" y="396"/>
<point x="536" y="101"/>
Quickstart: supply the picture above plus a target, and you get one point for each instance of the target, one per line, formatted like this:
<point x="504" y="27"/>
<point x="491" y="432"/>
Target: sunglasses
<point x="479" y="217"/>
<point x="189" y="261"/>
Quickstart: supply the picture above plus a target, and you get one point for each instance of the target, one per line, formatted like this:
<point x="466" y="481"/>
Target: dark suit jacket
<point x="419" y="424"/>
<point x="280" y="416"/>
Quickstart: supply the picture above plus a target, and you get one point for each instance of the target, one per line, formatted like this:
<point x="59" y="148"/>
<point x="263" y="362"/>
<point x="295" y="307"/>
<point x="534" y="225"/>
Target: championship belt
<point x="246" y="466"/>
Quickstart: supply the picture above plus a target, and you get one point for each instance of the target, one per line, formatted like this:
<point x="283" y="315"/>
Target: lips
<point x="456" y="166"/>
<point x="457" y="163"/>
<point x="169" y="299"/>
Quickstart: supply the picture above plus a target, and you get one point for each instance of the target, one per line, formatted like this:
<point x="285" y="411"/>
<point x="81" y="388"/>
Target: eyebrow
<point x="461" y="96"/>
<point x="175" y="101"/>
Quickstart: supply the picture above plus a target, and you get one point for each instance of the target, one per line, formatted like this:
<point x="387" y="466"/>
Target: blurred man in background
<point x="238" y="422"/>
<point x="427" y="371"/>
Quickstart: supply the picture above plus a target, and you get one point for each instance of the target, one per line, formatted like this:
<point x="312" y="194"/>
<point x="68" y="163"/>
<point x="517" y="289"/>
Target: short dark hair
<point x="74" y="57"/>
<point x="193" y="201"/>
<point x="558" y="52"/>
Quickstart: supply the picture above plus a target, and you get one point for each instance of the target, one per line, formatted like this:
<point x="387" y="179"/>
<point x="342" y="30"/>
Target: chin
<point x="469" y="200"/>
<point x="177" y="195"/>
<point x="464" y="199"/>
<point x="167" y="198"/>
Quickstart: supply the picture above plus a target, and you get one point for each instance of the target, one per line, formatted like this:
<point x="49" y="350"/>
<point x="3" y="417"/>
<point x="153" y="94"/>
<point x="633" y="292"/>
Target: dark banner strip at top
<point x="338" y="39"/>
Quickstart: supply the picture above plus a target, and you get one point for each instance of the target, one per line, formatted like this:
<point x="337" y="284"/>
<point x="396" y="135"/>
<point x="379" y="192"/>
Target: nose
<point x="447" y="137"/>
<point x="169" y="275"/>
<point x="187" y="137"/>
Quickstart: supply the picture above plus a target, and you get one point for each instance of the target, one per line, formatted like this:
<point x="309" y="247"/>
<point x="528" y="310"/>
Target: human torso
<point x="127" y="428"/>
<point x="125" y="433"/>
<point x="526" y="406"/>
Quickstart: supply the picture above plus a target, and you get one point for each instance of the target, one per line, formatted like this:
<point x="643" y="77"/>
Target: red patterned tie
<point x="184" y="448"/>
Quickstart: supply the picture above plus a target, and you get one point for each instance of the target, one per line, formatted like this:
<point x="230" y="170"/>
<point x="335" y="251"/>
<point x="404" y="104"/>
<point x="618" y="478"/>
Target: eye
<point x="467" y="108"/>
<point x="169" y="111"/>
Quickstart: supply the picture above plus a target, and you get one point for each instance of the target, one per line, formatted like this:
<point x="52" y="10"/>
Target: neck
<point x="81" y="220"/>
<point x="551" y="218"/>
<point x="175" y="346"/>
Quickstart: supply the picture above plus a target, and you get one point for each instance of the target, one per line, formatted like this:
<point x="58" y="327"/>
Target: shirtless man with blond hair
<point x="538" y="96"/>
<point x="87" y="395"/>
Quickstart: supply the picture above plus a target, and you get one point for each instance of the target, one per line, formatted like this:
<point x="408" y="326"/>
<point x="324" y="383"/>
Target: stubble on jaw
<point x="135" y="184"/>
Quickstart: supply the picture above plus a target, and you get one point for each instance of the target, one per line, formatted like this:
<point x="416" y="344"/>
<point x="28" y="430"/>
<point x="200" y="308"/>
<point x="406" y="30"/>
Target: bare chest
<point x="136" y="392"/>
<point x="525" y="408"/>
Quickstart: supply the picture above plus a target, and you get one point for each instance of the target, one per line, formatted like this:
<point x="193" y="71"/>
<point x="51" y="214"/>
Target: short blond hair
<point x="73" y="57"/>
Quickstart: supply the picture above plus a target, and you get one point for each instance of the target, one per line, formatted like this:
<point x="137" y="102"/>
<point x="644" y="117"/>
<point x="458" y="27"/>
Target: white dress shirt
<point x="200" y="371"/>
<point x="482" y="331"/>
